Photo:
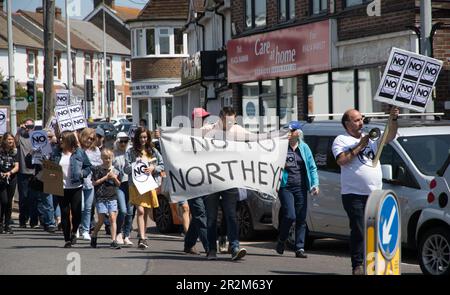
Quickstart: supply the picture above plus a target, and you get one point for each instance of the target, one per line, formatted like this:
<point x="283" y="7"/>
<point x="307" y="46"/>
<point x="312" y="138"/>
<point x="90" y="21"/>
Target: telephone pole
<point x="12" y="84"/>
<point x="49" y="55"/>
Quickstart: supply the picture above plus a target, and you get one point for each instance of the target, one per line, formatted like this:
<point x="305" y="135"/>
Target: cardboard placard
<point x="52" y="177"/>
<point x="62" y="97"/>
<point x="70" y="118"/>
<point x="143" y="182"/>
<point x="408" y="80"/>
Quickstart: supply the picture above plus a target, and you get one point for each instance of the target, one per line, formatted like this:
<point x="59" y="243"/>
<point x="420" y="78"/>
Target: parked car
<point x="409" y="163"/>
<point x="110" y="131"/>
<point x="433" y="227"/>
<point x="124" y="127"/>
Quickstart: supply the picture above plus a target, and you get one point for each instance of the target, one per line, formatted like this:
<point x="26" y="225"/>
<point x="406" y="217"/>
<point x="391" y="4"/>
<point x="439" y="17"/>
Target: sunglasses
<point x="29" y="126"/>
<point x="123" y="141"/>
<point x="91" y="138"/>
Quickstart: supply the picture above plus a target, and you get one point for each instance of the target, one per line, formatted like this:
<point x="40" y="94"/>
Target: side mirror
<point x="386" y="171"/>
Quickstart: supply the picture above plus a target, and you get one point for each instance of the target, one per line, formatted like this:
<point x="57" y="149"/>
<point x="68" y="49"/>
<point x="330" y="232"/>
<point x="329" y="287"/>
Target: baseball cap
<point x="99" y="131"/>
<point x="294" y="125"/>
<point x="122" y="135"/>
<point x="199" y="113"/>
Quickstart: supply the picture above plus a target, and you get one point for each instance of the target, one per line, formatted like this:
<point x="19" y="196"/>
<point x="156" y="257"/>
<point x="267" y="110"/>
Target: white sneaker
<point x="86" y="236"/>
<point x="119" y="239"/>
<point x="77" y="234"/>
<point x="127" y="241"/>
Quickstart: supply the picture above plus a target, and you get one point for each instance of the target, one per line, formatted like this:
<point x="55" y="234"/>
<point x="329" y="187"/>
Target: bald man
<point x="354" y="152"/>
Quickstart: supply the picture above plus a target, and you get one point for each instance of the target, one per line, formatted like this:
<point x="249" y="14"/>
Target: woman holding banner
<point x="143" y="151"/>
<point x="88" y="144"/>
<point x="9" y="166"/>
<point x="75" y="166"/>
<point x="299" y="177"/>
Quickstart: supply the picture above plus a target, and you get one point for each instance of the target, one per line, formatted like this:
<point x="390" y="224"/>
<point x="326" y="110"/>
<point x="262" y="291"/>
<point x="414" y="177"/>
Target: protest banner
<point x="40" y="145"/>
<point x="408" y="80"/>
<point x="52" y="177"/>
<point x="62" y="97"/>
<point x="198" y="165"/>
<point x="70" y="118"/>
<point x="4" y="119"/>
<point x="144" y="182"/>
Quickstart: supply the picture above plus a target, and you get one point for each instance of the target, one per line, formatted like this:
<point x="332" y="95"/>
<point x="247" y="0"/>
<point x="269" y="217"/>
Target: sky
<point x="81" y="7"/>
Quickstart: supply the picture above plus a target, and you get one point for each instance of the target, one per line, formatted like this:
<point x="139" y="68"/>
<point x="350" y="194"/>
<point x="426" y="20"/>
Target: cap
<point x="199" y="113"/>
<point x="99" y="131"/>
<point x="295" y="125"/>
<point x="122" y="135"/>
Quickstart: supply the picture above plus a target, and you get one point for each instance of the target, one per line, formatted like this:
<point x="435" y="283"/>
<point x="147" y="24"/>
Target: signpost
<point x="382" y="234"/>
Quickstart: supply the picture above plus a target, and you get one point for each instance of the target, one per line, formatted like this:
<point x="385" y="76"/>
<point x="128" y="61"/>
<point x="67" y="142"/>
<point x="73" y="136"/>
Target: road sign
<point x="382" y="234"/>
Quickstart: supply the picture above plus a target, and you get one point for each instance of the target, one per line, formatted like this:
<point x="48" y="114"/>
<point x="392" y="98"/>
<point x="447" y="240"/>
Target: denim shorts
<point x="105" y="207"/>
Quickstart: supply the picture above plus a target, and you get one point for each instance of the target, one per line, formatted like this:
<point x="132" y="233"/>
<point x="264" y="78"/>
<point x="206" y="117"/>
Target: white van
<point x="409" y="163"/>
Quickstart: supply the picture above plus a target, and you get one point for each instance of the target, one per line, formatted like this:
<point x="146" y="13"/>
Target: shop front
<point x="268" y="70"/>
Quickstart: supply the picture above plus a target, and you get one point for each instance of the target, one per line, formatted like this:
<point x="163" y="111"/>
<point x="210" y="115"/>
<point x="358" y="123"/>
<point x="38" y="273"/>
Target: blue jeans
<point x="355" y="206"/>
<point x="27" y="200"/>
<point x="293" y="207"/>
<point x="88" y="198"/>
<point x="56" y="207"/>
<point x="45" y="209"/>
<point x="229" y="202"/>
<point x="198" y="227"/>
<point x="124" y="207"/>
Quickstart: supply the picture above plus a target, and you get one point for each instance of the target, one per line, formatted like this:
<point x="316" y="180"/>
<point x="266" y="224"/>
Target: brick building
<point x="327" y="55"/>
<point x="158" y="46"/>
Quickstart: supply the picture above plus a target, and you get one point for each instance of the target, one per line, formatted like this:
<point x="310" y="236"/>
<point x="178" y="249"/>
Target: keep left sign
<point x="408" y="80"/>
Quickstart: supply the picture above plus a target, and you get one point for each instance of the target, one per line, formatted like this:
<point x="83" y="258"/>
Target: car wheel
<point x="434" y="251"/>
<point x="163" y="216"/>
<point x="245" y="223"/>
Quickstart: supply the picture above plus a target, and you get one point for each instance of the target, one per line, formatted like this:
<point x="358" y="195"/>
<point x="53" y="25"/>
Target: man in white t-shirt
<point x="354" y="152"/>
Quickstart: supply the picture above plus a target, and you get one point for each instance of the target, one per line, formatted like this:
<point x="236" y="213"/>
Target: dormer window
<point x="159" y="41"/>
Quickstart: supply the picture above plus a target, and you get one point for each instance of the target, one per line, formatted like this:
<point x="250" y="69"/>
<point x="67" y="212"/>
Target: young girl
<point x="105" y="179"/>
<point x="143" y="150"/>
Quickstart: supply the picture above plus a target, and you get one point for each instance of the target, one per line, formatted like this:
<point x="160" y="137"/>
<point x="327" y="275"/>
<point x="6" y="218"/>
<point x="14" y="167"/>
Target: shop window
<point x="269" y="105"/>
<point x="250" y="105"/>
<point x="255" y="13"/>
<point x="288" y="100"/>
<point x="368" y="81"/>
<point x="343" y="91"/>
<point x="318" y="98"/>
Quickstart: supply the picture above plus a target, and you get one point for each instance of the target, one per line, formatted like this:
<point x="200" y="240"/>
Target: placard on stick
<point x="408" y="80"/>
<point x="70" y="118"/>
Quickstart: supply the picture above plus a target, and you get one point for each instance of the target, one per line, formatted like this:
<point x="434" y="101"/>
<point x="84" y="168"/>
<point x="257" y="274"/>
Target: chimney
<point x="109" y="3"/>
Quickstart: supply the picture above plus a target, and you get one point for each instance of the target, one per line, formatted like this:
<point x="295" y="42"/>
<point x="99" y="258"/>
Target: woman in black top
<point x="9" y="166"/>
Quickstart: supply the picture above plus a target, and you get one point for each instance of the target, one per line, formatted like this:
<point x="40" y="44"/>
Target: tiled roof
<point x="165" y="9"/>
<point x="126" y="13"/>
<point x="21" y="38"/>
<point x="60" y="31"/>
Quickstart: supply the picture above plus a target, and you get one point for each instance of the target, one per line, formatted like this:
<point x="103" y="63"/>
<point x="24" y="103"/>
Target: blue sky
<point x="85" y="6"/>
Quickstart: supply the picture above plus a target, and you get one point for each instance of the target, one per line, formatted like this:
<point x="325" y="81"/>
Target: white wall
<point x="79" y="67"/>
<point x="4" y="62"/>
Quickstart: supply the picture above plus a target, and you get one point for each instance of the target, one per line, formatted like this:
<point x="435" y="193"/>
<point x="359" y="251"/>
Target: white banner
<point x="408" y="80"/>
<point x="70" y="118"/>
<point x="62" y="97"/>
<point x="196" y="165"/>
<point x="144" y="182"/>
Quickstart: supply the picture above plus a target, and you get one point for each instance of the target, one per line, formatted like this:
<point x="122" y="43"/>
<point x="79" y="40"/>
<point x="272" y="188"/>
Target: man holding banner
<point x="355" y="152"/>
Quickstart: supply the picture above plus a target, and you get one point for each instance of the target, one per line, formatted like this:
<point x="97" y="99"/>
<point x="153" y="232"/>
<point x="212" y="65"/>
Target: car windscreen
<point x="428" y="152"/>
<point x="125" y="127"/>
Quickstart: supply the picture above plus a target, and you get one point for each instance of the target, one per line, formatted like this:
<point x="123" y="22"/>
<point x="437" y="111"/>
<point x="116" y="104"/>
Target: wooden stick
<point x="381" y="143"/>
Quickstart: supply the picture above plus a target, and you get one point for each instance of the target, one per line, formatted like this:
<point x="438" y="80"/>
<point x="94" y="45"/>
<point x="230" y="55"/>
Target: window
<point x="349" y="3"/>
<point x="288" y="100"/>
<point x="318" y="98"/>
<point x="319" y="6"/>
<point x="56" y="67"/>
<point x="127" y="70"/>
<point x="108" y="68"/>
<point x="87" y="66"/>
<point x="343" y="91"/>
<point x="156" y="41"/>
<point x="179" y="44"/>
<point x="128" y="104"/>
<point x="323" y="155"/>
<point x="31" y="68"/>
<point x="164" y="41"/>
<point x="255" y="13"/>
<point x="400" y="171"/>
<point x="286" y="9"/>
<point x="150" y="41"/>
<point x="368" y="81"/>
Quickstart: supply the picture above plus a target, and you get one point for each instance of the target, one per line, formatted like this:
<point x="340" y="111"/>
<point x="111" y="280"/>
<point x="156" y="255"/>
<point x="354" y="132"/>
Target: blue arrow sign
<point x="388" y="226"/>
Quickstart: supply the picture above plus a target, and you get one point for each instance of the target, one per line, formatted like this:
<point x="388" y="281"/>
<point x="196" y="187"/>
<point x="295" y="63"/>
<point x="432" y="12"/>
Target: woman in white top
<point x="76" y="166"/>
